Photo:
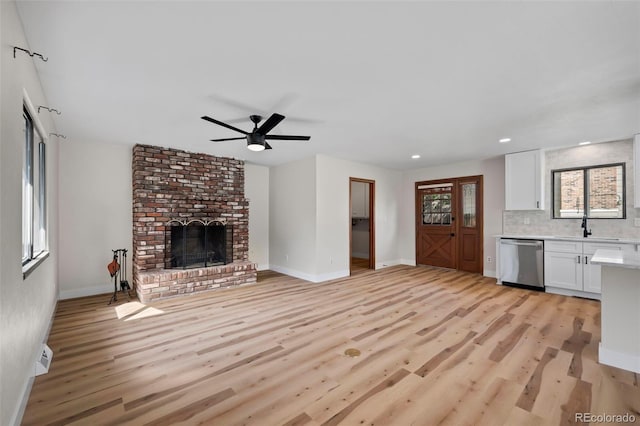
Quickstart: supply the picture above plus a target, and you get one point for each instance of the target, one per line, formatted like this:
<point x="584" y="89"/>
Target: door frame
<point x="372" y="227"/>
<point x="458" y="223"/>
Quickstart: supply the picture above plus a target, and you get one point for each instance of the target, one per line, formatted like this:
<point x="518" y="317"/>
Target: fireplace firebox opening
<point x="197" y="243"/>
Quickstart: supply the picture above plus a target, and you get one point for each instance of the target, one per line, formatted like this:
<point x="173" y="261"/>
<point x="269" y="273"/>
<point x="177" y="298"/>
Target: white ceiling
<point x="375" y="82"/>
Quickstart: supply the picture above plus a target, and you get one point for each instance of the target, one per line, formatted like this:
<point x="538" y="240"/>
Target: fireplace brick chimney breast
<point x="173" y="184"/>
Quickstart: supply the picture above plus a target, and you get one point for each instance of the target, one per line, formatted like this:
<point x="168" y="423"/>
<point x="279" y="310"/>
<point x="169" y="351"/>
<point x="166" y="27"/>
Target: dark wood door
<point x="449" y="223"/>
<point x="435" y="227"/>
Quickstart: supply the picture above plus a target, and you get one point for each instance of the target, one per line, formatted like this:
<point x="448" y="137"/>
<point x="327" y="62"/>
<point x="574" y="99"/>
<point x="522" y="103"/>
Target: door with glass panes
<point x="449" y="223"/>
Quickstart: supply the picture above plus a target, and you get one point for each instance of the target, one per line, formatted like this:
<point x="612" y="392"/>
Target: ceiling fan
<point x="257" y="138"/>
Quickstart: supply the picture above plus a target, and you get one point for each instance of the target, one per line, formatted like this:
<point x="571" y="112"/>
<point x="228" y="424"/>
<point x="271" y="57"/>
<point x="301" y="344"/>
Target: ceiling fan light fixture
<point x="255" y="142"/>
<point x="255" y="146"/>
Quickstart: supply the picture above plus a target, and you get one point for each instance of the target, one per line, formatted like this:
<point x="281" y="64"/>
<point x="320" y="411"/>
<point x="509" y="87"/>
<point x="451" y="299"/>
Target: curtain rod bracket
<point x="30" y="53"/>
<point x="48" y="109"/>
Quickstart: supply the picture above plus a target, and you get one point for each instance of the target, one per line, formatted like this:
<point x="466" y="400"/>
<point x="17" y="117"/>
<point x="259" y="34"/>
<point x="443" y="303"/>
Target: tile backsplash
<point x="540" y="222"/>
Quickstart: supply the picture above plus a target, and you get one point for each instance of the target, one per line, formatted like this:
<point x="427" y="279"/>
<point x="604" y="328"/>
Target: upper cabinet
<point x="359" y="200"/>
<point x="636" y="171"/>
<point x="524" y="180"/>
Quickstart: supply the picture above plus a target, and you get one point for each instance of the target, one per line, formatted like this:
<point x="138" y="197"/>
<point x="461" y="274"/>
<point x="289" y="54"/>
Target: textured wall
<point x="26" y="304"/>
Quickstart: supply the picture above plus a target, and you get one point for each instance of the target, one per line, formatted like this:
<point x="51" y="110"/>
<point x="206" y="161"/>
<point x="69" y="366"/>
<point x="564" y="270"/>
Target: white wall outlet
<point x="286" y="257"/>
<point x="527" y="221"/>
<point x="331" y="260"/>
<point x="636" y="222"/>
<point x="489" y="259"/>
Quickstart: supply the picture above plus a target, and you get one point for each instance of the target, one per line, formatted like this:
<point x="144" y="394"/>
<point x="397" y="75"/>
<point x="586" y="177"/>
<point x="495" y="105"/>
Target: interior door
<point x="435" y="227"/>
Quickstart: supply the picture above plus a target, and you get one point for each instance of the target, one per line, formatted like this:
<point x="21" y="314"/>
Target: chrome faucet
<point x="585" y="232"/>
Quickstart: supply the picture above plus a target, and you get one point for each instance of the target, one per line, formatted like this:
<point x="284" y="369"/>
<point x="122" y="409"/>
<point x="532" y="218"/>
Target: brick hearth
<point x="172" y="184"/>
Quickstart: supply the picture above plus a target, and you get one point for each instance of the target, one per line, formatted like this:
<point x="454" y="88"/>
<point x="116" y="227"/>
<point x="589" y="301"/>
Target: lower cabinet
<point x="562" y="270"/>
<point x="568" y="268"/>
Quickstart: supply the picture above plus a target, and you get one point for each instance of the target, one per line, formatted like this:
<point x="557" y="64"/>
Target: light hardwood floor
<point x="359" y="265"/>
<point x="437" y="347"/>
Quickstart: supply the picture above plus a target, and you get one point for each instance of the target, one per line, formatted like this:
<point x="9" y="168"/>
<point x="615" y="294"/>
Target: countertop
<point x="591" y="239"/>
<point x="630" y="260"/>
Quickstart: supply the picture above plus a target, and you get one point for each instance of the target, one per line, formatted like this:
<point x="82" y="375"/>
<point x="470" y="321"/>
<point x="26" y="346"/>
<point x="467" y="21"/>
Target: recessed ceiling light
<point x="505" y="140"/>
<point x="415" y="156"/>
<point x="584" y="143"/>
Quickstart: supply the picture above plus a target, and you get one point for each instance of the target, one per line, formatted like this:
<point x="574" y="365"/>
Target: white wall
<point x="292" y="218"/>
<point x="493" y="182"/>
<point x="256" y="189"/>
<point x="334" y="217"/>
<point x="26" y="305"/>
<point x="95" y="215"/>
<point x="310" y="217"/>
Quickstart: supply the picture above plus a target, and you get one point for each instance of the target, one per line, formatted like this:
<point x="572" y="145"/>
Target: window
<point x="436" y="204"/>
<point x="469" y="205"/>
<point x="597" y="192"/>
<point x="34" y="213"/>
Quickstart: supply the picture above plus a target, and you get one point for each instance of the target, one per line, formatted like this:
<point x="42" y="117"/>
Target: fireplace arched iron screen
<point x="198" y="244"/>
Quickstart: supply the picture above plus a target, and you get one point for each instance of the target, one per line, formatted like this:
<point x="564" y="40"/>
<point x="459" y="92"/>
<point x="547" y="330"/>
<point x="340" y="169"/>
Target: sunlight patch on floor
<point x="149" y="312"/>
<point x="128" y="308"/>
<point x="135" y="310"/>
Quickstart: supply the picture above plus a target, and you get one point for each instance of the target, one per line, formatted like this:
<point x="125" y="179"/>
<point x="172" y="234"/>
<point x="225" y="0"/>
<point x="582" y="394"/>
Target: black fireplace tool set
<point x="119" y="258"/>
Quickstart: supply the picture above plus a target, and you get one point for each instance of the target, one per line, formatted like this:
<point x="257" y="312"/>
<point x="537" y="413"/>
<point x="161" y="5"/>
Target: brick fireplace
<point x="172" y="186"/>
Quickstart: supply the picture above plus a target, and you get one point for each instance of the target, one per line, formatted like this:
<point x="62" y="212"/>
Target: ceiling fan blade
<point x="220" y="123"/>
<point x="287" y="138"/>
<point x="237" y="104"/>
<point x="227" y="139"/>
<point x="270" y="123"/>
<point x="267" y="146"/>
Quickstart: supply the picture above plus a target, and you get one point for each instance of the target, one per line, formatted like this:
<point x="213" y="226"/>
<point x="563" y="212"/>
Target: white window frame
<point x="35" y="247"/>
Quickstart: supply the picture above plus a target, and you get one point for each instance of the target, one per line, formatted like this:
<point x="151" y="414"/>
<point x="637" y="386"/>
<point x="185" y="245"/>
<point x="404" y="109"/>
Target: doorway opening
<point x="449" y="223"/>
<point x="362" y="230"/>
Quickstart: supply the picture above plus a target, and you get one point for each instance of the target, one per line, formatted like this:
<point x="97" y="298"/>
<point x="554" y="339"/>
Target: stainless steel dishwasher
<point x="522" y="263"/>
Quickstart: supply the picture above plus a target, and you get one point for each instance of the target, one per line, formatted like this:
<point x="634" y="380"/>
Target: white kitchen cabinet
<point x="524" y="180"/>
<point x="359" y="200"/>
<point x="563" y="270"/>
<point x="568" y="269"/>
<point x="636" y="171"/>
<point x="593" y="273"/>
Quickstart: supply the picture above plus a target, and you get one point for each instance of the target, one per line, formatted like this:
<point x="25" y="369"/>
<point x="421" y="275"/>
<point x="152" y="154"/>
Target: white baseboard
<point x="410" y="262"/>
<point x="625" y="361"/>
<point x="85" y="291"/>
<point x="332" y="276"/>
<point x="19" y="413"/>
<point x="388" y="263"/>
<point x="314" y="278"/>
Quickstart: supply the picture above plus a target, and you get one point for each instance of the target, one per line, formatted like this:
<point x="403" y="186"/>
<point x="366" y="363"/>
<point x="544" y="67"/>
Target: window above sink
<point x="595" y="191"/>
